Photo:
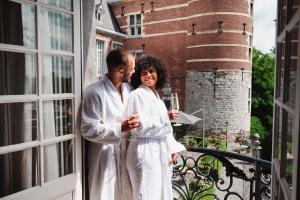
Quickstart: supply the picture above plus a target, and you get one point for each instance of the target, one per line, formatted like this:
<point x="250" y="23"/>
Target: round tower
<point x="218" y="56"/>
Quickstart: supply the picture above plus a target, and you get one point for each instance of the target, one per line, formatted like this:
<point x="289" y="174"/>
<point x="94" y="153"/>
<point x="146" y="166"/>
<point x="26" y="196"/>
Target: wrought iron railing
<point x="207" y="174"/>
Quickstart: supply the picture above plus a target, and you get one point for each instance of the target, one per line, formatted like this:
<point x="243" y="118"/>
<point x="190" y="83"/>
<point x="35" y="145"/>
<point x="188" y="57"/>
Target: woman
<point x="148" y="159"/>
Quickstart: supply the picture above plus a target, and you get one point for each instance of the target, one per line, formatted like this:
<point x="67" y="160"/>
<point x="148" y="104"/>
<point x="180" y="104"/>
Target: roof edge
<point x="122" y="35"/>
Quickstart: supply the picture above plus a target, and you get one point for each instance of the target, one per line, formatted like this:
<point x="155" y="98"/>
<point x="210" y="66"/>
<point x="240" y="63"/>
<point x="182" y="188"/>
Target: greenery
<point x="257" y="127"/>
<point x="196" y="141"/>
<point x="208" y="190"/>
<point x="262" y="99"/>
<point x="208" y="164"/>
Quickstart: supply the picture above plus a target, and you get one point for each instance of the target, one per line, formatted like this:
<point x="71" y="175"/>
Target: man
<point x="103" y="125"/>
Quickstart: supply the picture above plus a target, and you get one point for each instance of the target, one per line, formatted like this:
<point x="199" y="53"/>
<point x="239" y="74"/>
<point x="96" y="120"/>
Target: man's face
<point x="129" y="70"/>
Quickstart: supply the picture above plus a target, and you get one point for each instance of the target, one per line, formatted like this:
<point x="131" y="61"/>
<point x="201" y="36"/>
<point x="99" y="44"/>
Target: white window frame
<point x="121" y="45"/>
<point x="135" y="25"/>
<point x="137" y="53"/>
<point x="99" y="12"/>
<point x="100" y="59"/>
<point x="65" y="186"/>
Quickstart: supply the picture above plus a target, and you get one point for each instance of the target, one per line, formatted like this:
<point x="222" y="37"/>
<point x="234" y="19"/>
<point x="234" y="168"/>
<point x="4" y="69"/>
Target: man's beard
<point x="125" y="79"/>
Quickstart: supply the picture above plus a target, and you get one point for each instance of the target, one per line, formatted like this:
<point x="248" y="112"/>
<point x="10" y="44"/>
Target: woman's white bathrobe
<point x="150" y="147"/>
<point x="102" y="112"/>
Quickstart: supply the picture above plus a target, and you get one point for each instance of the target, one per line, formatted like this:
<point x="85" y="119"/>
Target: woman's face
<point x="149" y="77"/>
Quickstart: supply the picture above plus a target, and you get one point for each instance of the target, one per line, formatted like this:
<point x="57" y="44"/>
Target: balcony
<point x="205" y="174"/>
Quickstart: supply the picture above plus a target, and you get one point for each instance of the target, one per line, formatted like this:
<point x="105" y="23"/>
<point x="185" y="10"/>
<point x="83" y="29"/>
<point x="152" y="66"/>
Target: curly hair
<point x="145" y="63"/>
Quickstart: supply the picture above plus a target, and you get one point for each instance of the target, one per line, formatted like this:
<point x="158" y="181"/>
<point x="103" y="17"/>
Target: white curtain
<point x="18" y="170"/>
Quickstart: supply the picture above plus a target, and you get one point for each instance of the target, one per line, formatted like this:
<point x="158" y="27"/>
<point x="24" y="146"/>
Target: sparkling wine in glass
<point x="174" y="102"/>
<point x="175" y="105"/>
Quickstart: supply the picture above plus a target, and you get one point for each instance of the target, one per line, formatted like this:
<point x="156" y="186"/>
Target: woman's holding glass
<point x="152" y="148"/>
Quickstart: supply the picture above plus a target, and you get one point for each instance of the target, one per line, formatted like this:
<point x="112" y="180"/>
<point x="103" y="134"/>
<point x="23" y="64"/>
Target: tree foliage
<point x="257" y="127"/>
<point x="262" y="99"/>
<point x="263" y="88"/>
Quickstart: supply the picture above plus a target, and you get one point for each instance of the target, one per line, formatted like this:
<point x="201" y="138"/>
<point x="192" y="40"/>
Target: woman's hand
<point x="130" y="123"/>
<point x="173" y="114"/>
<point x="174" y="158"/>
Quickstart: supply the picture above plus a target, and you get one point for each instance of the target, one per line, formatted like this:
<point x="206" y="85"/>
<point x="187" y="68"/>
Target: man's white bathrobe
<point x="150" y="147"/>
<point x="102" y="112"/>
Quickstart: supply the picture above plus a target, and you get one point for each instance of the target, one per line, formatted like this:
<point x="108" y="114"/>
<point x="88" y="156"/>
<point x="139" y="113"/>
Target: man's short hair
<point x="117" y="58"/>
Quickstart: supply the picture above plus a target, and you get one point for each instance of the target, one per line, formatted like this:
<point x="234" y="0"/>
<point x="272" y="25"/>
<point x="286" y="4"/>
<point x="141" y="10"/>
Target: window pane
<point x="18" y="171"/>
<point x="279" y="132"/>
<point x="132" y="31"/>
<point x="139" y="55"/>
<point x="296" y="4"/>
<point x="57" y="118"/>
<point x="100" y="57"/>
<point x="117" y="46"/>
<point x="19" y="27"/>
<point x="138" y="19"/>
<point x="139" y="31"/>
<point x="18" y="72"/>
<point x="131" y="19"/>
<point x="18" y="123"/>
<point x="57" y="74"/>
<point x="58" y="160"/>
<point x="282" y="17"/>
<point x="293" y="65"/>
<point x="289" y="151"/>
<point x="63" y="4"/>
<point x="56" y="30"/>
<point x="280" y="68"/>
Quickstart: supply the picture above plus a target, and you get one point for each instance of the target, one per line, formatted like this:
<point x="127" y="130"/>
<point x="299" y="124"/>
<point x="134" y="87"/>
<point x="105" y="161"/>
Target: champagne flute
<point x="175" y="105"/>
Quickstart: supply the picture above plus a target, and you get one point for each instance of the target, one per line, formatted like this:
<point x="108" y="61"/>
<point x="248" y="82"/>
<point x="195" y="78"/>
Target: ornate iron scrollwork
<point x="198" y="177"/>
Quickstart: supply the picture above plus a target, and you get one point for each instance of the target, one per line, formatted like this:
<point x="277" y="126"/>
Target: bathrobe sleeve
<point x="174" y="146"/>
<point x="93" y="127"/>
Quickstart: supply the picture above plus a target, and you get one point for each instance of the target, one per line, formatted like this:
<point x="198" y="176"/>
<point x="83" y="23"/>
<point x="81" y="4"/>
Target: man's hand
<point x="130" y="123"/>
<point x="173" y="114"/>
<point x="174" y="158"/>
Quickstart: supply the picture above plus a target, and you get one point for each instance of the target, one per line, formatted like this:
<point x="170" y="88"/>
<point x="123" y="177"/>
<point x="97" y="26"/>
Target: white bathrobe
<point x="102" y="112"/>
<point x="150" y="147"/>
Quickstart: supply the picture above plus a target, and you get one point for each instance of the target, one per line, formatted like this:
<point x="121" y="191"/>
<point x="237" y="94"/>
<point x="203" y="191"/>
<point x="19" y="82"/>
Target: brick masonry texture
<point x="193" y="80"/>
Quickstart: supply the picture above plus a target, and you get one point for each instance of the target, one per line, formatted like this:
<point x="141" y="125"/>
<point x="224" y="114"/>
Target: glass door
<point x="285" y="161"/>
<point x="40" y="150"/>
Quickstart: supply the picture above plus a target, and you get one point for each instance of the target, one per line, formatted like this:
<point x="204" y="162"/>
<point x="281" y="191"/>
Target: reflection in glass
<point x="18" y="171"/>
<point x="17" y="24"/>
<point x="18" y="72"/>
<point x="62" y="4"/>
<point x="296" y="4"/>
<point x="293" y="66"/>
<point x="57" y="73"/>
<point x="138" y="19"/>
<point x="56" y="31"/>
<point x="18" y="123"/>
<point x="282" y="17"/>
<point x="57" y="118"/>
<point x="281" y="71"/>
<point x="131" y="19"/>
<point x="58" y="160"/>
<point x="289" y="151"/>
<point x="100" y="59"/>
<point x="279" y="131"/>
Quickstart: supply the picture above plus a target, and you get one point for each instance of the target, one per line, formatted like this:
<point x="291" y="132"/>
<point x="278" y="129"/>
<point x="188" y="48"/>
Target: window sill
<point x="134" y="36"/>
